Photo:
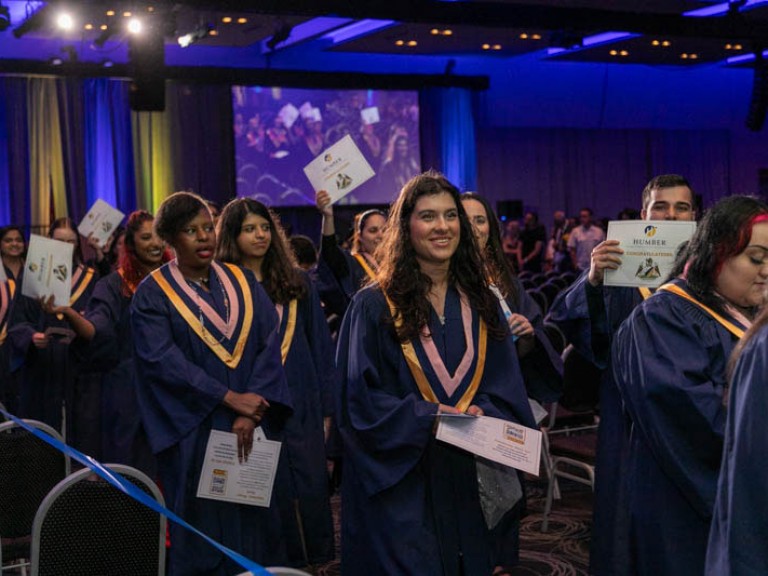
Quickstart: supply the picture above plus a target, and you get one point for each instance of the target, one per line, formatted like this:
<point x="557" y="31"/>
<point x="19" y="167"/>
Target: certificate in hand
<point x="650" y="247"/>
<point x="339" y="169"/>
<point x="224" y="478"/>
<point x="101" y="221"/>
<point x="48" y="270"/>
<point x="495" y="439"/>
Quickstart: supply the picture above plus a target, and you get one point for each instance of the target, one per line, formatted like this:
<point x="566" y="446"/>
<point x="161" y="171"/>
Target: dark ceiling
<point x="651" y="32"/>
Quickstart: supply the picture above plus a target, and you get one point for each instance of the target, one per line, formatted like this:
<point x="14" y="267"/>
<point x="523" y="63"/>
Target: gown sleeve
<point x="669" y="365"/>
<point x="322" y="348"/>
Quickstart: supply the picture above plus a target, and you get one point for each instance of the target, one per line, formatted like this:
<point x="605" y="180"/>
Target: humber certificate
<point x="499" y="440"/>
<point x="650" y="247"/>
<point x="225" y="478"/>
<point x="48" y="270"/>
<point x="339" y="169"/>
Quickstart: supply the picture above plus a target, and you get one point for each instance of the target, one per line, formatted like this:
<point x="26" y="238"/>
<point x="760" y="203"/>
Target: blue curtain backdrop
<point x="14" y="148"/>
<point x="448" y="134"/>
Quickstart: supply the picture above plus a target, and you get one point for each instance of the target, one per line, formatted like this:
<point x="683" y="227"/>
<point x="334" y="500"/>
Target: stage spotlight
<point x="202" y="31"/>
<point x="65" y="21"/>
<point x="134" y="26"/>
<point x="5" y="17"/>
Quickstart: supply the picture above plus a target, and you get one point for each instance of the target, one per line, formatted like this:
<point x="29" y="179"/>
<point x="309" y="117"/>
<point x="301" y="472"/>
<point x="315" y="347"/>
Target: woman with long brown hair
<point x="426" y="339"/>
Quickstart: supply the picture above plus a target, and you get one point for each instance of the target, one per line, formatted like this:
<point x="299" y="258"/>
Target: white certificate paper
<point x="495" y="439"/>
<point x="339" y="169"/>
<point x="48" y="270"/>
<point x="224" y="478"/>
<point x="650" y="247"/>
<point x="101" y="221"/>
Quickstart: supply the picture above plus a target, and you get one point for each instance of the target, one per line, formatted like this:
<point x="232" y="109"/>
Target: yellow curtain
<point x="47" y="181"/>
<point x="152" y="153"/>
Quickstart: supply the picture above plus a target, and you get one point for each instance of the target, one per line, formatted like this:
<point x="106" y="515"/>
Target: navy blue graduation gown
<point x="589" y="317"/>
<point x="311" y="375"/>
<point x="739" y="534"/>
<point x="669" y="361"/>
<point x="181" y="384"/>
<point x="53" y="376"/>
<point x="124" y="440"/>
<point x="339" y="276"/>
<point x="410" y="504"/>
<point x="8" y="392"/>
<point x="542" y="367"/>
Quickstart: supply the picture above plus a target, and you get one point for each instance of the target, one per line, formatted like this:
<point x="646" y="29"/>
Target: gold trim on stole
<point x="418" y="372"/>
<point x="730" y="326"/>
<point x="11" y="292"/>
<point x="364" y="264"/>
<point x="645" y="292"/>
<point x="89" y="272"/>
<point x="290" y="328"/>
<point x="231" y="360"/>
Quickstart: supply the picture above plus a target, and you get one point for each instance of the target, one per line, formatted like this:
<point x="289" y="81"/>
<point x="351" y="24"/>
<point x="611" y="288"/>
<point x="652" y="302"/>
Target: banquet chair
<point x="280" y="571"/>
<point x="87" y="527"/>
<point x="570" y="437"/>
<point x="29" y="468"/>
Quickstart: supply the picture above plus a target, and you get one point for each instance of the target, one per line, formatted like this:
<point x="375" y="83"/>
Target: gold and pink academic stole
<point x="183" y="297"/>
<point x="81" y="279"/>
<point x="449" y="384"/>
<point x="645" y="292"/>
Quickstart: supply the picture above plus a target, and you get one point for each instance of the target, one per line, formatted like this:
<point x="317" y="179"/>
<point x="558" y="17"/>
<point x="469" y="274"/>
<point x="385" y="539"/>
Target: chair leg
<point x="550" y="493"/>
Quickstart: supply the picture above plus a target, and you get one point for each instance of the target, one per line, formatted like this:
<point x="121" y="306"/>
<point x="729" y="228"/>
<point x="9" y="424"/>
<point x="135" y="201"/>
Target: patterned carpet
<point x="562" y="551"/>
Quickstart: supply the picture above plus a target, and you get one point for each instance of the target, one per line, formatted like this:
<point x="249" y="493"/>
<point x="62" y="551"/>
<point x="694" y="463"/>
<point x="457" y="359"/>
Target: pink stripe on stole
<point x="450" y="384"/>
<point x="207" y="310"/>
<point x="4" y="300"/>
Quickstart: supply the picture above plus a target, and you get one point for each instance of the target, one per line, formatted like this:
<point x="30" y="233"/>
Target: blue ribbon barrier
<point x="136" y="493"/>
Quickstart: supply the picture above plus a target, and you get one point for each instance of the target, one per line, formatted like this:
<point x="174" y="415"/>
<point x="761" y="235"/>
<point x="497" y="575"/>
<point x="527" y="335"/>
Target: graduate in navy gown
<point x="428" y="338"/>
<point x="105" y="342"/>
<point x="340" y="273"/>
<point x="739" y="532"/>
<point x="207" y="355"/>
<point x="249" y="234"/>
<point x="589" y="314"/>
<point x="7" y="295"/>
<point x="669" y="362"/>
<point x="12" y="252"/>
<point x="52" y="377"/>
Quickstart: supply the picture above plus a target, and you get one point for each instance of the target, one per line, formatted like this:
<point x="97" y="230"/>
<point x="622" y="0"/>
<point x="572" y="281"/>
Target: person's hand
<point x="243" y="427"/>
<point x="46" y="303"/>
<point x="97" y="248"/>
<point x="248" y="404"/>
<point x="606" y="255"/>
<point x="323" y="203"/>
<point x="475" y="411"/>
<point x="445" y="409"/>
<point x="520" y="326"/>
<point x="40" y="340"/>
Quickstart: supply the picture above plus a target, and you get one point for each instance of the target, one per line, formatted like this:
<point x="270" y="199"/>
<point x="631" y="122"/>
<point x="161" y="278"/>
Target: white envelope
<point x="101" y="220"/>
<point x="339" y="169"/>
<point x="48" y="270"/>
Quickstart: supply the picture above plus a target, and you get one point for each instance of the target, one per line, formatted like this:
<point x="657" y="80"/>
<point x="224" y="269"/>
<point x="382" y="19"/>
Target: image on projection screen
<point x="278" y="131"/>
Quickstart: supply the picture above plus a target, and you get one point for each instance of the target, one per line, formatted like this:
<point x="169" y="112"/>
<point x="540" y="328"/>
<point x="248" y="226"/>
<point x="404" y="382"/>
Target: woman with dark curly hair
<point x="669" y="361"/>
<point x="207" y="358"/>
<point x="427" y="338"/>
<point x="249" y="234"/>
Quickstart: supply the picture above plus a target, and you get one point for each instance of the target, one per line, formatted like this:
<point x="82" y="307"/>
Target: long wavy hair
<point x="282" y="279"/>
<point x="495" y="260"/>
<point x="134" y="270"/>
<point x="723" y="233"/>
<point x="400" y="275"/>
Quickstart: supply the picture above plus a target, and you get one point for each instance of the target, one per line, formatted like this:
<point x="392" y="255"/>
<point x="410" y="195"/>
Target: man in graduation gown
<point x="589" y="314"/>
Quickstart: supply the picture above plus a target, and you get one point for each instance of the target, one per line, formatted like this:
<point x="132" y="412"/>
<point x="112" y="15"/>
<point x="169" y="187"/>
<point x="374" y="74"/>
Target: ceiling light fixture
<point x="134" y="26"/>
<point x="33" y="22"/>
<point x="106" y="34"/>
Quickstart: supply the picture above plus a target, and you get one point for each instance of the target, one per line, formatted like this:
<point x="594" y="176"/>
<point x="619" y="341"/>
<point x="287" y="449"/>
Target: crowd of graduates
<point x="194" y="321"/>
